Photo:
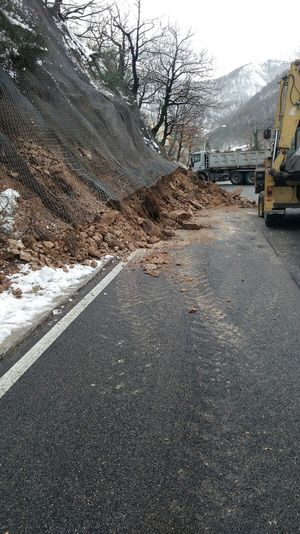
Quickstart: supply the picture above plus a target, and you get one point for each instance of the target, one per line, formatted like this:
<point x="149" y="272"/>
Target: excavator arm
<point x="287" y="121"/>
<point x="281" y="179"/>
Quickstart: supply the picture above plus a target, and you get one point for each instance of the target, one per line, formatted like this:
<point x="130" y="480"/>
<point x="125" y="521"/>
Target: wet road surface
<point x="145" y="418"/>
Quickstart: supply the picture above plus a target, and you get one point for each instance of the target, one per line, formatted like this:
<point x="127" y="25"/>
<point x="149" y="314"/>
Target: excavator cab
<point x="291" y="166"/>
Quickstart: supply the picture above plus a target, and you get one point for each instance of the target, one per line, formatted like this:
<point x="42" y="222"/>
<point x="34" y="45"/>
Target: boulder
<point x="188" y="225"/>
<point x="94" y="252"/>
<point x="109" y="217"/>
<point x="112" y="240"/>
<point x="25" y="256"/>
<point x="150" y="228"/>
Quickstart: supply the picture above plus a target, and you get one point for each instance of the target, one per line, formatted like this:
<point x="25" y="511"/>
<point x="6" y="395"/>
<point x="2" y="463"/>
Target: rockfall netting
<point x="65" y="143"/>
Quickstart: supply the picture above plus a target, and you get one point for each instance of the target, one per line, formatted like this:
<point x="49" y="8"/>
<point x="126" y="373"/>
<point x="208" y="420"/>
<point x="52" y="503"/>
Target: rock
<point x="93" y="251"/>
<point x="160" y="259"/>
<point x="180" y="215"/>
<point x="109" y="217"/>
<point x="187" y="225"/>
<point x="91" y="230"/>
<point x="15" y="244"/>
<point x="152" y="240"/>
<point x="92" y="243"/>
<point x="150" y="228"/>
<point x="48" y="262"/>
<point x="196" y="205"/>
<point x="25" y="256"/>
<point x="112" y="241"/>
<point x="140" y="221"/>
<point x="152" y="273"/>
<point x="98" y="238"/>
<point x="17" y="292"/>
<point x="150" y="267"/>
<point x="168" y="233"/>
<point x="192" y="310"/>
<point x="48" y="244"/>
<point x="29" y="241"/>
<point x="94" y="263"/>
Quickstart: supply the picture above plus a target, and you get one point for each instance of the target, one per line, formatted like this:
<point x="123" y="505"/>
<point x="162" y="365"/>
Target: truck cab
<point x="199" y="161"/>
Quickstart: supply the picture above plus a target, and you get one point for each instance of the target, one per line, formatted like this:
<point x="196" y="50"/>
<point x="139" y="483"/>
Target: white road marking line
<point x="17" y="370"/>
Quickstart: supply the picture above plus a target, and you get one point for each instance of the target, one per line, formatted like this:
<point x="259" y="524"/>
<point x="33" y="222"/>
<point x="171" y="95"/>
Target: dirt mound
<point x="143" y="219"/>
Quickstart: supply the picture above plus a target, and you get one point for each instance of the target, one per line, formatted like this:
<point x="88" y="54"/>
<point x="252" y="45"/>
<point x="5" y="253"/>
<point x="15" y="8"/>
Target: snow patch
<point x="151" y="144"/>
<point x="34" y="294"/>
<point x="16" y="21"/>
<point x="8" y="205"/>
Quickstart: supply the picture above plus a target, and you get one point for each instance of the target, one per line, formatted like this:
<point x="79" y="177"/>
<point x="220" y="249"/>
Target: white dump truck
<point x="238" y="166"/>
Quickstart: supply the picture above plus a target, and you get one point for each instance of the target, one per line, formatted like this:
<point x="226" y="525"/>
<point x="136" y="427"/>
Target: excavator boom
<point x="281" y="179"/>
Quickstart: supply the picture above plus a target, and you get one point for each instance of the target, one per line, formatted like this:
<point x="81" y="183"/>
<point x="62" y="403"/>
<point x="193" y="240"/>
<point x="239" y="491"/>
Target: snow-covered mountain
<point x="237" y="87"/>
<point x="247" y="99"/>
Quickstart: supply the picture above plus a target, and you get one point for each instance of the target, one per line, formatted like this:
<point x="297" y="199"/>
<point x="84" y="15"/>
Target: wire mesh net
<point x="64" y="143"/>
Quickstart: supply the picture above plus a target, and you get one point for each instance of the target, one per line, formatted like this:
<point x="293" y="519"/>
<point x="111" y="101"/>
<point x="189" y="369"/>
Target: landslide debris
<point x="114" y="227"/>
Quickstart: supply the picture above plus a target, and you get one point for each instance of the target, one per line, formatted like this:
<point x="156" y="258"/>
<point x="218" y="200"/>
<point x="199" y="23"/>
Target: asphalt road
<point x="145" y="418"/>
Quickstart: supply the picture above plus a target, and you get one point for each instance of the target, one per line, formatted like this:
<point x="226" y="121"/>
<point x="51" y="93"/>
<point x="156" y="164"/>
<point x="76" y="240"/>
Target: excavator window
<point x="295" y="142"/>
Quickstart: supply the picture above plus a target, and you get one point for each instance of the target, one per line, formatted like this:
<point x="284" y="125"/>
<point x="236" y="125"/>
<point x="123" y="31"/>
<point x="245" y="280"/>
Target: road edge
<point x="28" y="359"/>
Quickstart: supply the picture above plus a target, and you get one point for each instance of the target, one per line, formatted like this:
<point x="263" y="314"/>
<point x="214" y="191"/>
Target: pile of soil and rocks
<point x="142" y="220"/>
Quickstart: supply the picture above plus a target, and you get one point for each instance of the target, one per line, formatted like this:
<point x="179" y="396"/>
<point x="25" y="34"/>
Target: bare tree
<point x="138" y="37"/>
<point x="180" y="81"/>
<point x="124" y="35"/>
<point x="75" y="10"/>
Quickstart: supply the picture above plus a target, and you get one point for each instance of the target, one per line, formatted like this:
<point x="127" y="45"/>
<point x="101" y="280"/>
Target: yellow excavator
<point x="278" y="183"/>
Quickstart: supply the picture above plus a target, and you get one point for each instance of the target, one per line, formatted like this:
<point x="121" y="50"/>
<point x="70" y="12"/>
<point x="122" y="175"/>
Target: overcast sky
<point x="236" y="32"/>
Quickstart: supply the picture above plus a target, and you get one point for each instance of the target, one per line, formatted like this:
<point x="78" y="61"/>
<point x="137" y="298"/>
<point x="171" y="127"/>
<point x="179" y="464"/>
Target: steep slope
<point x="65" y="142"/>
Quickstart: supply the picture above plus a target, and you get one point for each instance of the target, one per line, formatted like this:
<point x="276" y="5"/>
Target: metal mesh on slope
<point x="62" y="140"/>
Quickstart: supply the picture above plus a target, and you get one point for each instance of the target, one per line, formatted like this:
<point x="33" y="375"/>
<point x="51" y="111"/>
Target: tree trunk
<point x="56" y="8"/>
<point x="161" y="119"/>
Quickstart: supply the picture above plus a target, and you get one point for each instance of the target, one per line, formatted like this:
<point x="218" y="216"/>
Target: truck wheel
<point x="202" y="176"/>
<point x="260" y="206"/>
<point x="249" y="178"/>
<point x="273" y="219"/>
<point x="236" y="178"/>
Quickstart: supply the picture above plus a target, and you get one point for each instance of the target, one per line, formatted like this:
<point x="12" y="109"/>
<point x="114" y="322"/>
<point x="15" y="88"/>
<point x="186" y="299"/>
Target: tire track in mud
<point x="226" y="448"/>
<point x="210" y="306"/>
<point x="207" y="420"/>
<point x="184" y="430"/>
<point x="208" y="448"/>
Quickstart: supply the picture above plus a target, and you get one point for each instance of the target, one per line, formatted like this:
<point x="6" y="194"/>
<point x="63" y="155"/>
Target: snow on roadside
<point x="34" y="294"/>
<point x="8" y="205"/>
